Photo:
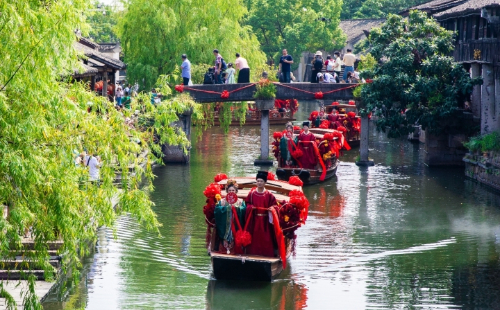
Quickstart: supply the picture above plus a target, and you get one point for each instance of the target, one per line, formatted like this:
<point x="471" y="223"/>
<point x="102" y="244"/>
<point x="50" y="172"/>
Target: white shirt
<point x="94" y="166"/>
<point x="329" y="78"/>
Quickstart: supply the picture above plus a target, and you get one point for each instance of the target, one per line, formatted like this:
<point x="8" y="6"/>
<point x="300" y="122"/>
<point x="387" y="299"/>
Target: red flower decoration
<point x="179" y="88"/>
<point x="271" y="176"/>
<point x="369" y="81"/>
<point x="324" y="124"/>
<point x="212" y="190"/>
<point x="318" y="95"/>
<point x="219" y="177"/>
<point x="351" y="114"/>
<point x="242" y="238"/>
<point x="296" y="128"/>
<point x="341" y="128"/>
<point x="295" y="180"/>
<point x="277" y="135"/>
<point x="328" y="136"/>
<point x="300" y="202"/>
<point x="225" y="94"/>
<point x="335" y="103"/>
<point x="297" y="153"/>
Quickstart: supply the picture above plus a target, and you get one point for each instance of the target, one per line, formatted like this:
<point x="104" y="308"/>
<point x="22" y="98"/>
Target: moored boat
<point x="282" y="113"/>
<point x="342" y="117"/>
<point x="291" y="212"/>
<point x="313" y="161"/>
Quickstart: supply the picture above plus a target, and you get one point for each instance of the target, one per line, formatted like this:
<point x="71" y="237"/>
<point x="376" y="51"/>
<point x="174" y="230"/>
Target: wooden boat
<point x="251" y="267"/>
<point x="311" y="176"/>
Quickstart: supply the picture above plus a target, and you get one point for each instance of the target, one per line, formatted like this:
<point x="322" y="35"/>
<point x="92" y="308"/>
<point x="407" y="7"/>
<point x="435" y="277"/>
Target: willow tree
<point x="43" y="123"/>
<point x="155" y="33"/>
<point x="299" y="26"/>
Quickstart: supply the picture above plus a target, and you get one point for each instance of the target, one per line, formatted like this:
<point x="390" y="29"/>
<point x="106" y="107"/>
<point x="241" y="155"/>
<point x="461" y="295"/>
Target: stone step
<point x="20" y="275"/>
<point x="21" y="264"/>
<point x="29" y="244"/>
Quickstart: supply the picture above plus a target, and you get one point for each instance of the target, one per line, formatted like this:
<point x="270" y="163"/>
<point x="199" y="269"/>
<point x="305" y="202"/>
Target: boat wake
<point x="359" y="260"/>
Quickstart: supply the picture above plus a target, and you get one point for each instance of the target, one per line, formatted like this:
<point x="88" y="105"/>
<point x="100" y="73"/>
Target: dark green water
<point x="394" y="236"/>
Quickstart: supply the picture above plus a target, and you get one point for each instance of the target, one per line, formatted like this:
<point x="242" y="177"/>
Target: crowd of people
<point x="323" y="71"/>
<point x="221" y="73"/>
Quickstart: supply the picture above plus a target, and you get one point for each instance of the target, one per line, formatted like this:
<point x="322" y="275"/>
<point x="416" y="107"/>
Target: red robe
<point x="263" y="235"/>
<point x="309" y="158"/>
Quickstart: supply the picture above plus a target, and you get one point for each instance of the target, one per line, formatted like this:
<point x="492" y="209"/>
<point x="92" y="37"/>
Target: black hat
<point x="184" y="56"/>
<point x="261" y="175"/>
<point x="305" y="124"/>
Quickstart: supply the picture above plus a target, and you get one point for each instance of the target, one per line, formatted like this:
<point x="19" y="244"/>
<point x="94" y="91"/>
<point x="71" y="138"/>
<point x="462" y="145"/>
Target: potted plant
<point x="265" y="92"/>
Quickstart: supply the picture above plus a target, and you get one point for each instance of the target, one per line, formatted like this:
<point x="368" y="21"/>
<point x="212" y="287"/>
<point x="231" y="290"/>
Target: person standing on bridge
<point x="220" y="66"/>
<point x="244" y="70"/>
<point x="186" y="70"/>
<point x="349" y="60"/>
<point x="337" y="66"/>
<point x="285" y="66"/>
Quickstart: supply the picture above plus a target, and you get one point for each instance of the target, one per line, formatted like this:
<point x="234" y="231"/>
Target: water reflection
<point x="394" y="236"/>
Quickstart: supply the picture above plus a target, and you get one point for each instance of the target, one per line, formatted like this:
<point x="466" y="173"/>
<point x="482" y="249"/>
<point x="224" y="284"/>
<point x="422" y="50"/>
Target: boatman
<point x="260" y="203"/>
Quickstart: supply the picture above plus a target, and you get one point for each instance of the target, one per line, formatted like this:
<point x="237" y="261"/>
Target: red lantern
<point x="225" y="94"/>
<point x="179" y="88"/>
<point x="318" y="95"/>
<point x="351" y="102"/>
<point x="335" y="103"/>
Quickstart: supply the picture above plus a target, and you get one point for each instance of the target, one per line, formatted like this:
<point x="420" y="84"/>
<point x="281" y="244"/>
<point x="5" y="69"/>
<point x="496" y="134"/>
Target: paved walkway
<point x="14" y="288"/>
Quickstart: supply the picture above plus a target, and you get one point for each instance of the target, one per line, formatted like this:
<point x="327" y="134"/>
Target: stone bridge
<point x="299" y="91"/>
<point x="244" y="92"/>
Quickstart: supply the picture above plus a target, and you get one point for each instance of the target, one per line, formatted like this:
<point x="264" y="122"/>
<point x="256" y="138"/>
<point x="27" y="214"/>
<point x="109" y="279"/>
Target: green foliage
<point x="265" y="89"/>
<point x="418" y="83"/>
<point x="367" y="62"/>
<point x="198" y="73"/>
<point x="44" y="121"/>
<point x="280" y="24"/>
<point x="354" y="9"/>
<point x="155" y="33"/>
<point x="103" y="23"/>
<point x="485" y="143"/>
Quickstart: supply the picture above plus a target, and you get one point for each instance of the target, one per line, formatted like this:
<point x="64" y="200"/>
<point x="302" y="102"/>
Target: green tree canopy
<point x="155" y="33"/>
<point x="103" y="21"/>
<point x="355" y="9"/>
<point x="296" y="26"/>
<point x="416" y="82"/>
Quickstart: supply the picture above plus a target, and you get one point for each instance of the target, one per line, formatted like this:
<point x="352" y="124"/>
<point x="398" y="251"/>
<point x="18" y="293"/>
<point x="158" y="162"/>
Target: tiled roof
<point x="467" y="8"/>
<point x="435" y="6"/>
<point x="95" y="54"/>
<point x="87" y="70"/>
<point x="355" y="28"/>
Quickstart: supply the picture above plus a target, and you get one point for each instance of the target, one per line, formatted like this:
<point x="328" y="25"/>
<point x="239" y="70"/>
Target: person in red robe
<point x="306" y="139"/>
<point x="258" y="202"/>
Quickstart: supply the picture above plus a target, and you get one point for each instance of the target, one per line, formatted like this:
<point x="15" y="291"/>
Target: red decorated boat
<point x="314" y="159"/>
<point x="233" y="262"/>
<point x="343" y="117"/>
<point x="282" y="113"/>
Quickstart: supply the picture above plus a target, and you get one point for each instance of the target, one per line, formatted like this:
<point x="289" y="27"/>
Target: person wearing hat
<point x="306" y="143"/>
<point x="286" y="147"/>
<point x="317" y="66"/>
<point x="258" y="214"/>
<point x="186" y="70"/>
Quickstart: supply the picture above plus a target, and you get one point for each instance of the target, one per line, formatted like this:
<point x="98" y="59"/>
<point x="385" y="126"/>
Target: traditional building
<point x="477" y="47"/>
<point x="357" y="30"/>
<point x="101" y="69"/>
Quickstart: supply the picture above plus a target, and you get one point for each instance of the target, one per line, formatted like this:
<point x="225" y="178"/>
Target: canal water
<point x="398" y="235"/>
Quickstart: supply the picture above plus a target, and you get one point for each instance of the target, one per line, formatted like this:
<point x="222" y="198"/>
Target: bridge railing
<point x="244" y="92"/>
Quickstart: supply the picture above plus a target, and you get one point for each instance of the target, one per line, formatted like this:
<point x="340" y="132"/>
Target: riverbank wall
<point x="484" y="168"/>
